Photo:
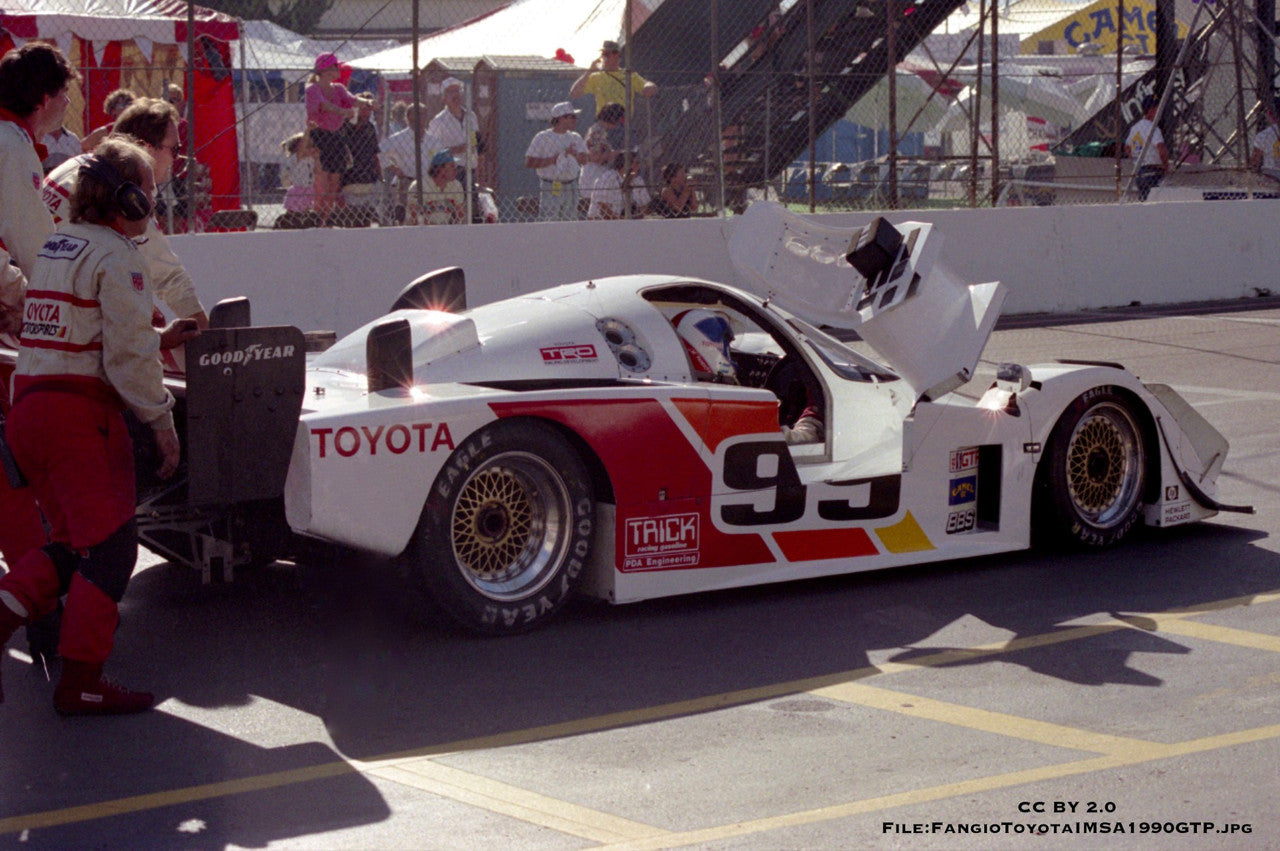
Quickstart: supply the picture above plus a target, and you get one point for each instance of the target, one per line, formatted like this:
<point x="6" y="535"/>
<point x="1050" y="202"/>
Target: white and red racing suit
<point x="25" y="223"/>
<point x="88" y="351"/>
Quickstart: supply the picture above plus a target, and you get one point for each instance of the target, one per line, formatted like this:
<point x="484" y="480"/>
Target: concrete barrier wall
<point x="1053" y="259"/>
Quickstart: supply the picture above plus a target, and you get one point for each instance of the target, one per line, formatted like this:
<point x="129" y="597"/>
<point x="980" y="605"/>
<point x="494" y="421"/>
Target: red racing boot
<point x="84" y="691"/>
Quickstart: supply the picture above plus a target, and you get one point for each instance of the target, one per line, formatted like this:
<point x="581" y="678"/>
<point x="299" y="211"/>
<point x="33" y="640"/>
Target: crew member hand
<point x="178" y="332"/>
<point x="170" y="452"/>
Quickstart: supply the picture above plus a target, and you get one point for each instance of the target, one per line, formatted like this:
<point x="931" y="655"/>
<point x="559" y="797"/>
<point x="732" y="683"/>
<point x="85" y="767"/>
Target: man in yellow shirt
<point x="608" y="81"/>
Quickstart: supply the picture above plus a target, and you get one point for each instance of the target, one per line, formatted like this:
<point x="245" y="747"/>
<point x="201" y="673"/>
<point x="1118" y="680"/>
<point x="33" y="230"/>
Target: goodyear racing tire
<point x="1092" y="476"/>
<point x="506" y="532"/>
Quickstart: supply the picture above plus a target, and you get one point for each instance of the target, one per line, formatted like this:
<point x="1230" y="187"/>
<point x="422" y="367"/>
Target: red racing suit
<point x="88" y="351"/>
<point x="25" y="223"/>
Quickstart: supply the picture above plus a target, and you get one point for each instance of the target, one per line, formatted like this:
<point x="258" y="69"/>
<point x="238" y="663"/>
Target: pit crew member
<point x="33" y="103"/>
<point x="154" y="124"/>
<point x="88" y="352"/>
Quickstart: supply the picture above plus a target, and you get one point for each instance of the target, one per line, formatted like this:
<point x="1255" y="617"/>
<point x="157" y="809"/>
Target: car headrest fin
<point x="443" y="289"/>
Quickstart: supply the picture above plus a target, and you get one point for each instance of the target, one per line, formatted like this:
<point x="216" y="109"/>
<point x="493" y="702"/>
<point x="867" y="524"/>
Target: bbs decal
<point x="959" y="522"/>
<point x="766" y="465"/>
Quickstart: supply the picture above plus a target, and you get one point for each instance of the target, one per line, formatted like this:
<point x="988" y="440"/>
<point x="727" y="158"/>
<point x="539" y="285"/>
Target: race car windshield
<point x="843" y="360"/>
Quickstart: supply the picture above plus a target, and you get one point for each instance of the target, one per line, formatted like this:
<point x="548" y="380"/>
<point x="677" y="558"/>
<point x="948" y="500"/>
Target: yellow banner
<point x="1099" y="24"/>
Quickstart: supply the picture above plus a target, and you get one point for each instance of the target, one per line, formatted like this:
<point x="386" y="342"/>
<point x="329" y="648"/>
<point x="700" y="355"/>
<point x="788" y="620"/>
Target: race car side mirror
<point x="389" y="356"/>
<point x="231" y="313"/>
<point x="443" y="289"/>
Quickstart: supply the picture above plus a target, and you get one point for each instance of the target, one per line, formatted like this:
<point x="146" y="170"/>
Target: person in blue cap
<point x="443" y="200"/>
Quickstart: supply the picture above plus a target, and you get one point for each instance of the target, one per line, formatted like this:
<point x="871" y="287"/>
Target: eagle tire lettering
<point x="507" y="531"/>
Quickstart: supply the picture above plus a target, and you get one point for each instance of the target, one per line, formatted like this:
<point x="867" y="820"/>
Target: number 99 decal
<point x="844" y="501"/>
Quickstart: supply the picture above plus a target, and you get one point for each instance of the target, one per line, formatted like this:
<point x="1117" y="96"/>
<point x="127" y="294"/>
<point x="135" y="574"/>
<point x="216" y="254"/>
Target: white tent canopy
<point x="524" y="28"/>
<point x="269" y="46"/>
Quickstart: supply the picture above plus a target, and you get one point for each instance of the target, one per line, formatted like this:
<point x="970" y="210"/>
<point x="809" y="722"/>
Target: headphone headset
<point x="133" y="203"/>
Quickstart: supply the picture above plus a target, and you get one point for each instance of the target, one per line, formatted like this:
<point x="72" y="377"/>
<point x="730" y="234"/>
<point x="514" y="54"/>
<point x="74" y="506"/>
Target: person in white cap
<point x="456" y="127"/>
<point x="557" y="154"/>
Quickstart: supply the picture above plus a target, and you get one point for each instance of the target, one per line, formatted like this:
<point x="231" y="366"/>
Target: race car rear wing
<point x="244" y="395"/>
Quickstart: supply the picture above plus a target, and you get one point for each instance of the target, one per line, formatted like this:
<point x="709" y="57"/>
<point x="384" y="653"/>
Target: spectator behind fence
<point x="1146" y="145"/>
<point x="400" y="163"/>
<point x="114" y="104"/>
<point x="557" y="154"/>
<point x="455" y="127"/>
<point x="1265" y="154"/>
<point x="615" y="194"/>
<point x="397" y="120"/>
<point x="361" y="183"/>
<point x="443" y="198"/>
<point x="608" y="82"/>
<point x="607" y="198"/>
<point x="599" y="162"/>
<point x="299" y="198"/>
<point x="676" y="199"/>
<point x="609" y="126"/>
<point x="328" y="105"/>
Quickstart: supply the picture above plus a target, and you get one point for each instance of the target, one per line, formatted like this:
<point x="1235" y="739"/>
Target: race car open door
<point x="883" y="280"/>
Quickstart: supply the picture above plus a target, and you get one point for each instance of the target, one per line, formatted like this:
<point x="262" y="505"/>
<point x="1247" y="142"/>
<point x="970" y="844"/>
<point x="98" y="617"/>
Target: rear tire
<point x="1093" y="474"/>
<point x="506" y="532"/>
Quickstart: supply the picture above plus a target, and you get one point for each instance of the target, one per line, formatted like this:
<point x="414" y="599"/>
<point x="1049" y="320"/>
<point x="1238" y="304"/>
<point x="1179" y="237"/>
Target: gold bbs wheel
<point x="1092" y="477"/>
<point x="1104" y="461"/>
<point x="506" y="533"/>
<point x="510" y="525"/>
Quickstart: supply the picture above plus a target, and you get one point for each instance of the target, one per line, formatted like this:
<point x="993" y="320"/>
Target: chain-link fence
<point x="822" y="104"/>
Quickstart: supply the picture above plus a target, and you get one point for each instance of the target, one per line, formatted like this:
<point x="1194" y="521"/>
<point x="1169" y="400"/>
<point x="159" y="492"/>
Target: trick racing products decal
<point x="554" y="355"/>
<point x="962" y="491"/>
<point x="654" y="543"/>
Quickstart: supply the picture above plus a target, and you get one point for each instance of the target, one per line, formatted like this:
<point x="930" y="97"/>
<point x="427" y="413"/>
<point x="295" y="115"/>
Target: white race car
<point x="575" y="440"/>
<point x="624" y="437"/>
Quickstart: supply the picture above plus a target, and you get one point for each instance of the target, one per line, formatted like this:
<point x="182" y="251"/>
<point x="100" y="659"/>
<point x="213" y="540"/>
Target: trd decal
<point x="564" y="354"/>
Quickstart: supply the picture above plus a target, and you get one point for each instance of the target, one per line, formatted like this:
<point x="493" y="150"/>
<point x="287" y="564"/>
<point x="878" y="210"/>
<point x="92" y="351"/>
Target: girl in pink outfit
<point x="328" y="105"/>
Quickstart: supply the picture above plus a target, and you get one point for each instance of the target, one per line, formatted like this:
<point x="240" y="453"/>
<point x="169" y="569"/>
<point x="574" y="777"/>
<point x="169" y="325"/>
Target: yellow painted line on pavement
<point x="1214" y="633"/>
<point x="138" y="803"/>
<point x="998" y="723"/>
<point x="505" y="799"/>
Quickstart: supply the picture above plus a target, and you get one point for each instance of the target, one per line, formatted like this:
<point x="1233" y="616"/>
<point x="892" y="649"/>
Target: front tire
<point x="506" y="532"/>
<point x="1092" y="477"/>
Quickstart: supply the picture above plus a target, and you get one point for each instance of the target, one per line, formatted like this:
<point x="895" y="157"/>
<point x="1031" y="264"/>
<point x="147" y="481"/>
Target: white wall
<point x="1053" y="259"/>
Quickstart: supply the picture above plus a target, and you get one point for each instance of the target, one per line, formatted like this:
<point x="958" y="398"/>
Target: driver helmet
<point x="706" y="336"/>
